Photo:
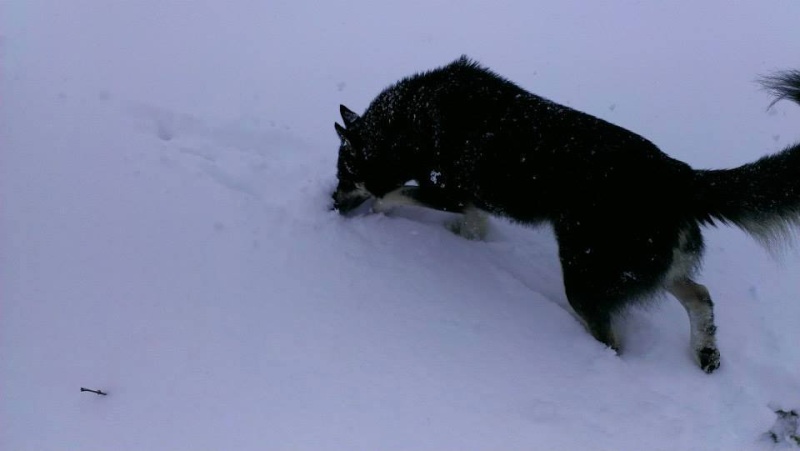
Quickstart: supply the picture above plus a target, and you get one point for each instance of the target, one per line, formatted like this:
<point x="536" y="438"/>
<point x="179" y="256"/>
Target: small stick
<point x="97" y="392"/>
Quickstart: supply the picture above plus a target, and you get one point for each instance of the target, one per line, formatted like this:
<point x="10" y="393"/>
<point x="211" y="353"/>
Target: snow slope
<point x="165" y="170"/>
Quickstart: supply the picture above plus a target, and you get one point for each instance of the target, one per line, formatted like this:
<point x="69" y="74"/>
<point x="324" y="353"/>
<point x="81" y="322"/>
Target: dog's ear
<point x="348" y="116"/>
<point x="341" y="131"/>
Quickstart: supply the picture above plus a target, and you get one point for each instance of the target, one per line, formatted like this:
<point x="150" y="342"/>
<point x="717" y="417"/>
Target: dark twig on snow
<point x="97" y="392"/>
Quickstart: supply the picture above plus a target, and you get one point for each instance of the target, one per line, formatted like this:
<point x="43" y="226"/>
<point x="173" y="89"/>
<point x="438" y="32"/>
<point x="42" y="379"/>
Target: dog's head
<point x="351" y="167"/>
<point x="368" y="165"/>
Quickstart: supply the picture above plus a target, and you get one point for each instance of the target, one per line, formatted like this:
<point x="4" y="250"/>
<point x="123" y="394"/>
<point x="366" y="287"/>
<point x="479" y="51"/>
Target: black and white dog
<point x="626" y="216"/>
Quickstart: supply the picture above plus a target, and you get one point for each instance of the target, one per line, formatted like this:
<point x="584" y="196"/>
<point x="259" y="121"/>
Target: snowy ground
<point x="165" y="170"/>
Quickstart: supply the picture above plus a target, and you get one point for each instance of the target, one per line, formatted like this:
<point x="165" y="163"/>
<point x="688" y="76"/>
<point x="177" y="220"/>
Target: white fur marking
<point x="393" y="199"/>
<point x="472" y="225"/>
<point x="683" y="263"/>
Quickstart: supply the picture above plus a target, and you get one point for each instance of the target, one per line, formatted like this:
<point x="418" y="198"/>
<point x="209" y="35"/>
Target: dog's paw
<point x="708" y="358"/>
<point x="473" y="225"/>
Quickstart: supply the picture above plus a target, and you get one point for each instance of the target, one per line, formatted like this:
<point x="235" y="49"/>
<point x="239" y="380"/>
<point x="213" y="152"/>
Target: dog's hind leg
<point x="590" y="302"/>
<point x="605" y="269"/>
<point x="596" y="320"/>
<point x="697" y="302"/>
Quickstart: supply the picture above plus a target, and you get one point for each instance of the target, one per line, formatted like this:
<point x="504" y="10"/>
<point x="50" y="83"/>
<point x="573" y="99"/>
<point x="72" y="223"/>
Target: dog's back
<point x="482" y="139"/>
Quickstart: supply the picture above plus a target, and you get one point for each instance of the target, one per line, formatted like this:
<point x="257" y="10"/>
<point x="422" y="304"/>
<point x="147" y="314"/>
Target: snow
<point x="165" y="233"/>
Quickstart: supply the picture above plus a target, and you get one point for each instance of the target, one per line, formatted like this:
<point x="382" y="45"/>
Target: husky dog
<point x="626" y="216"/>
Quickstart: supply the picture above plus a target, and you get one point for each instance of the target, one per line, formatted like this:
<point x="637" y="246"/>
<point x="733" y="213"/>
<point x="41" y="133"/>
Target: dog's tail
<point x="762" y="197"/>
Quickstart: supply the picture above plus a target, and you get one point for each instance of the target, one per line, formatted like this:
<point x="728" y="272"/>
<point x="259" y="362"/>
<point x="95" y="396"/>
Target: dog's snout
<point x="345" y="201"/>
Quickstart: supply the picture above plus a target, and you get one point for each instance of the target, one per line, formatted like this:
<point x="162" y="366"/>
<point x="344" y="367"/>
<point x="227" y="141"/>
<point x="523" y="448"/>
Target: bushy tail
<point x="762" y="197"/>
<point x="783" y="85"/>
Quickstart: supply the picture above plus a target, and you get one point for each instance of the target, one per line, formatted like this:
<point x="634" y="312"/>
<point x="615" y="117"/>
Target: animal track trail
<point x="232" y="156"/>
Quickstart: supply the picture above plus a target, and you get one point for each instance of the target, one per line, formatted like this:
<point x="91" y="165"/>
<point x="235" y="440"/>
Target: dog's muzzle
<point x="346" y="201"/>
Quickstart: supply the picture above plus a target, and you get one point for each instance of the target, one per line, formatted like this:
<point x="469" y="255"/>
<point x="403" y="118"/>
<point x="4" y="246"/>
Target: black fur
<point x="627" y="216"/>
